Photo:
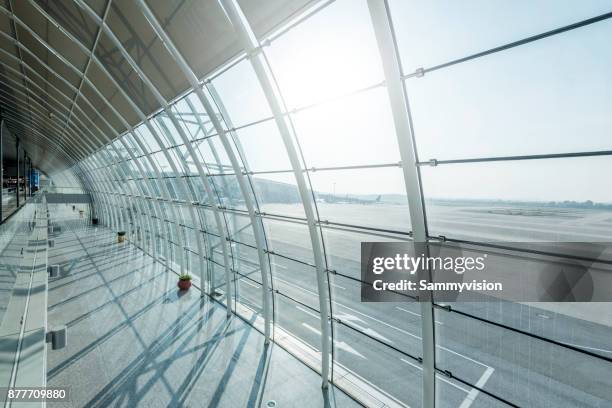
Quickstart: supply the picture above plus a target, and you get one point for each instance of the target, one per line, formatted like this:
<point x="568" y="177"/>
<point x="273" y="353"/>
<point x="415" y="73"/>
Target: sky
<point x="550" y="96"/>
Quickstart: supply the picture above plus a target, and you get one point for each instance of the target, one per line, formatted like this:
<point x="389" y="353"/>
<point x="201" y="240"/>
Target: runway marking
<point x="348" y="317"/>
<point x="415" y="314"/>
<point x="308" y="312"/>
<point x="312" y="329"/>
<point x="390" y="326"/>
<point x="418" y="367"/>
<point x="340" y="344"/>
<point x="250" y="283"/>
<point x="589" y="348"/>
<point x="469" y="399"/>
<point x="372" y="333"/>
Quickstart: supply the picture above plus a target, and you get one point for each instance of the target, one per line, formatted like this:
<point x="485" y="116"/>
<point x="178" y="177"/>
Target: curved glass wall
<point x="509" y="126"/>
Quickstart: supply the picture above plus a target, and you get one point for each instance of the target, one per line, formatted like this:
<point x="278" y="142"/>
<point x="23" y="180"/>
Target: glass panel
<point x="208" y="218"/>
<point x="187" y="119"/>
<point x="454" y="29"/>
<point x="241" y="94"/>
<point x="451" y="394"/>
<point x="263" y="147"/>
<point x="296" y="281"/>
<point x="212" y="153"/>
<point x="199" y="190"/>
<point x="228" y="190"/>
<point x="300" y="321"/>
<point x="521" y="369"/>
<point x="129" y="139"/>
<point x="396" y="374"/>
<point x="397" y="324"/>
<point x="350" y="131"/>
<point x="246" y="261"/>
<point x="290" y="239"/>
<point x="373" y="197"/>
<point x="331" y="53"/>
<point x="240" y="229"/>
<point x="531" y="200"/>
<point x="277" y="193"/>
<point x="485" y="107"/>
<point x="343" y="248"/>
<point x="194" y="99"/>
<point x="166" y="130"/>
<point x="147" y="138"/>
<point x="250" y="295"/>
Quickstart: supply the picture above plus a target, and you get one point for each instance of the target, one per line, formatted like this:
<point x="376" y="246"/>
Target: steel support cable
<point x="570" y="27"/>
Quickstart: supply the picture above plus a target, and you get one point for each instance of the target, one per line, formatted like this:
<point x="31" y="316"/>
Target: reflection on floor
<point x="134" y="341"/>
<point x="9" y="264"/>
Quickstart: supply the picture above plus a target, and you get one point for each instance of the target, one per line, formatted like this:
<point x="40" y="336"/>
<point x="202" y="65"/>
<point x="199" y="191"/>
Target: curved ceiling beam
<point x="72" y="87"/>
<point x="43" y="114"/>
<point x="122" y="119"/>
<point x="43" y="137"/>
<point x="26" y="49"/>
<point x="40" y="120"/>
<point x="69" y="65"/>
<point x="67" y="98"/>
<point x="93" y="51"/>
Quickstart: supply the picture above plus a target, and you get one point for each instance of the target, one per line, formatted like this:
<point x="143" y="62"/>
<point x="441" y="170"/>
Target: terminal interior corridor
<point x="294" y="166"/>
<point x="134" y="339"/>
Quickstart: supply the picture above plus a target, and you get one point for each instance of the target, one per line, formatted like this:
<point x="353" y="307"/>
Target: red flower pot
<point x="184" y="284"/>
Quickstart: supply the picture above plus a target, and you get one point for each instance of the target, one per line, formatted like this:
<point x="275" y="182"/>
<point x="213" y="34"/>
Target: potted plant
<point x="120" y="236"/>
<point x="184" y="282"/>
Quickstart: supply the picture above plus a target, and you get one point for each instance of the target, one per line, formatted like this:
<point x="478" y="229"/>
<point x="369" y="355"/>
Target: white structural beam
<point x="381" y="21"/>
<point x="251" y="45"/>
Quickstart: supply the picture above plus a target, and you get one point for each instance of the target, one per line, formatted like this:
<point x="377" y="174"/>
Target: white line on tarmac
<point x="340" y="344"/>
<point x="418" y="367"/>
<point x="469" y="399"/>
<point x="308" y="312"/>
<point x="589" y="348"/>
<point x="389" y="325"/>
<point x="312" y="329"/>
<point x="250" y="283"/>
<point x="415" y="314"/>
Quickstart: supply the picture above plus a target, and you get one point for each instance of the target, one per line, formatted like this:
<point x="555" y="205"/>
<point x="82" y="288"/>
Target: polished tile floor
<point x="134" y="341"/>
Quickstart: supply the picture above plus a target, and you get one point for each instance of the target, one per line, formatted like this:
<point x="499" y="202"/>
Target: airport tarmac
<point x="519" y="368"/>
